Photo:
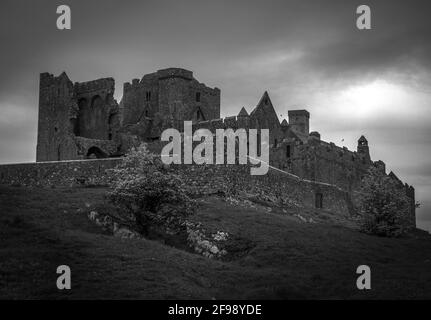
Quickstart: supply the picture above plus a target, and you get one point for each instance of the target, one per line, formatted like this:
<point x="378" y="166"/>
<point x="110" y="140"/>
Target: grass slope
<point x="277" y="255"/>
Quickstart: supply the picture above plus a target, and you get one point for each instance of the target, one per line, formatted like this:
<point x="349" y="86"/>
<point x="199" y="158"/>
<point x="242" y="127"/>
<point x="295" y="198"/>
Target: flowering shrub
<point x="148" y="192"/>
<point x="210" y="248"/>
<point x="384" y="206"/>
<point x="220" y="236"/>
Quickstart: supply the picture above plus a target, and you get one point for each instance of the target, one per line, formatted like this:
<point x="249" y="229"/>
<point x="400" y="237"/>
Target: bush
<point x="148" y="192"/>
<point x="385" y="207"/>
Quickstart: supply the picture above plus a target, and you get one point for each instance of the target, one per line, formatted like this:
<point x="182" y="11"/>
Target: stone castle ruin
<point x="83" y="121"/>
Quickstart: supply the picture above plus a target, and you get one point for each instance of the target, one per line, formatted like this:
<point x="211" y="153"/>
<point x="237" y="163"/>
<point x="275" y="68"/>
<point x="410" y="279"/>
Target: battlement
<point x="222" y="123"/>
<point x="48" y="79"/>
<point x="107" y="84"/>
<point x="202" y="87"/>
<point x="314" y="135"/>
<point x="298" y="113"/>
<point x="140" y="83"/>
<point x="170" y="73"/>
<point x="174" y="73"/>
<point x="330" y="150"/>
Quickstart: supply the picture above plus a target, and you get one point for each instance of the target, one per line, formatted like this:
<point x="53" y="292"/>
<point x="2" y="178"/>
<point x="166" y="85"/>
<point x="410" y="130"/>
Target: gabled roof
<point x="393" y="176"/>
<point x="265" y="110"/>
<point x="243" y="113"/>
<point x="64" y="76"/>
<point x="284" y="123"/>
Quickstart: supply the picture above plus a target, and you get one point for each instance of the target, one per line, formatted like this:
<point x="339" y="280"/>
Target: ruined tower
<point x="76" y="121"/>
<point x="95" y="117"/>
<point x="168" y="97"/>
<point x="53" y="135"/>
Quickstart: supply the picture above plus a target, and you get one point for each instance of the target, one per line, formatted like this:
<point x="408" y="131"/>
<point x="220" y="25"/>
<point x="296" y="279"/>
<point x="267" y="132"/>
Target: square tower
<point x="299" y="121"/>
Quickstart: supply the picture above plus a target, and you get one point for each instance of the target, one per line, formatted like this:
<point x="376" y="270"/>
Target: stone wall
<point x="314" y="160"/>
<point x="321" y="161"/>
<point x="58" y="173"/>
<point x="276" y="186"/>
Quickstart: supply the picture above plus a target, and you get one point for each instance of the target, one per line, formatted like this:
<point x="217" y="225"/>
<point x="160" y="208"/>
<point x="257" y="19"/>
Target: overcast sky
<point x="307" y="54"/>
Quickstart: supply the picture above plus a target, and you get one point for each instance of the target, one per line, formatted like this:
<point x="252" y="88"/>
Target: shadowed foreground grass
<point x="278" y="256"/>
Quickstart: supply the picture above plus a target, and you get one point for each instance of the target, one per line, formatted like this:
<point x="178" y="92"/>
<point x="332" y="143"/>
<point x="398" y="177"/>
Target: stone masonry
<point x="84" y="121"/>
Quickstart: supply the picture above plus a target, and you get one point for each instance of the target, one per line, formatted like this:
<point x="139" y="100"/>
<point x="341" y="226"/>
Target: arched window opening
<point x="96" y="101"/>
<point x="95" y="153"/>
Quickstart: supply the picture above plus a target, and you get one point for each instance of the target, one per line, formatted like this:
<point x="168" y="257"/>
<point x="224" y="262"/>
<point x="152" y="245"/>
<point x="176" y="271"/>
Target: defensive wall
<point x="276" y="186"/>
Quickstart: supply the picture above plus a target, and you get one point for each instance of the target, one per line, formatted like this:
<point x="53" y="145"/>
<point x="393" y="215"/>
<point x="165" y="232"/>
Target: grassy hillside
<point x="276" y="255"/>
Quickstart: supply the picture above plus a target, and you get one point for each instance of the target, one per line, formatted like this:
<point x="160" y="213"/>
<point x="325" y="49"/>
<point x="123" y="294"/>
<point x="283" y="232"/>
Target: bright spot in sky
<point x="370" y="100"/>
